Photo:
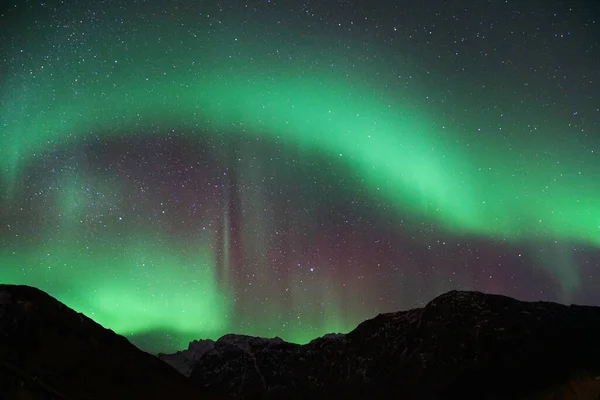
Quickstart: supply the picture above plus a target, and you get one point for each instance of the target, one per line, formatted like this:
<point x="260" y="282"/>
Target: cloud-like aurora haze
<point x="132" y="269"/>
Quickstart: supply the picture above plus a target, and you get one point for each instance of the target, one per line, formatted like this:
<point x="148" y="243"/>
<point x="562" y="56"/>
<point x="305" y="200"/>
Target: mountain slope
<point x="48" y="351"/>
<point x="462" y="345"/>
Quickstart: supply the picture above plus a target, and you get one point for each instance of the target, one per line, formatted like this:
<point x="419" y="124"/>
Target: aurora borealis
<point x="282" y="168"/>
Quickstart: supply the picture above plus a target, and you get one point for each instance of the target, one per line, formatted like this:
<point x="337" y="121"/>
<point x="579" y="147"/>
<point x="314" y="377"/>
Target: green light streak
<point x="395" y="147"/>
<point x="395" y="150"/>
<point x="137" y="285"/>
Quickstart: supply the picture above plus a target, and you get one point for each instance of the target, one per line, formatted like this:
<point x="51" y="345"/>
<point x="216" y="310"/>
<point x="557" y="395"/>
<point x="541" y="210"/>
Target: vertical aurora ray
<point x="137" y="286"/>
<point x="88" y="248"/>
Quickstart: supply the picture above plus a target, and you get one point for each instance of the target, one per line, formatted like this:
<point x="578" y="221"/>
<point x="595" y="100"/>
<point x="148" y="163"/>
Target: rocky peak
<point x="184" y="361"/>
<point x="200" y="345"/>
<point x="247" y="343"/>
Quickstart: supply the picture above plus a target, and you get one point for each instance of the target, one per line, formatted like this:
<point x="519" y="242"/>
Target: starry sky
<point x="187" y="169"/>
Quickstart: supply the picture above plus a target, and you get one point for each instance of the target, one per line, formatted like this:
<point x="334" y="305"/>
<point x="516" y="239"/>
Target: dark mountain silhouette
<point x="48" y="351"/>
<point x="462" y="345"/>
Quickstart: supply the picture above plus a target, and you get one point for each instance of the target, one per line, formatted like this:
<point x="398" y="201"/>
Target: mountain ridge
<point x="460" y="345"/>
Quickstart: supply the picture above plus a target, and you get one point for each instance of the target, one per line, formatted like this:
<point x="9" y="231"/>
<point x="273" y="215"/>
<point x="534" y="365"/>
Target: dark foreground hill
<point x="48" y="351"/>
<point x="462" y="345"/>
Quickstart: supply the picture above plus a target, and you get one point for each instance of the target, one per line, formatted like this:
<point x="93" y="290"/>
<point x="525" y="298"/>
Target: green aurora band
<point x="391" y="142"/>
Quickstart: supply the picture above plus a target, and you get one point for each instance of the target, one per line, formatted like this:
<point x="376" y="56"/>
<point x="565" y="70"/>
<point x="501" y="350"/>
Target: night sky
<point x="288" y="168"/>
